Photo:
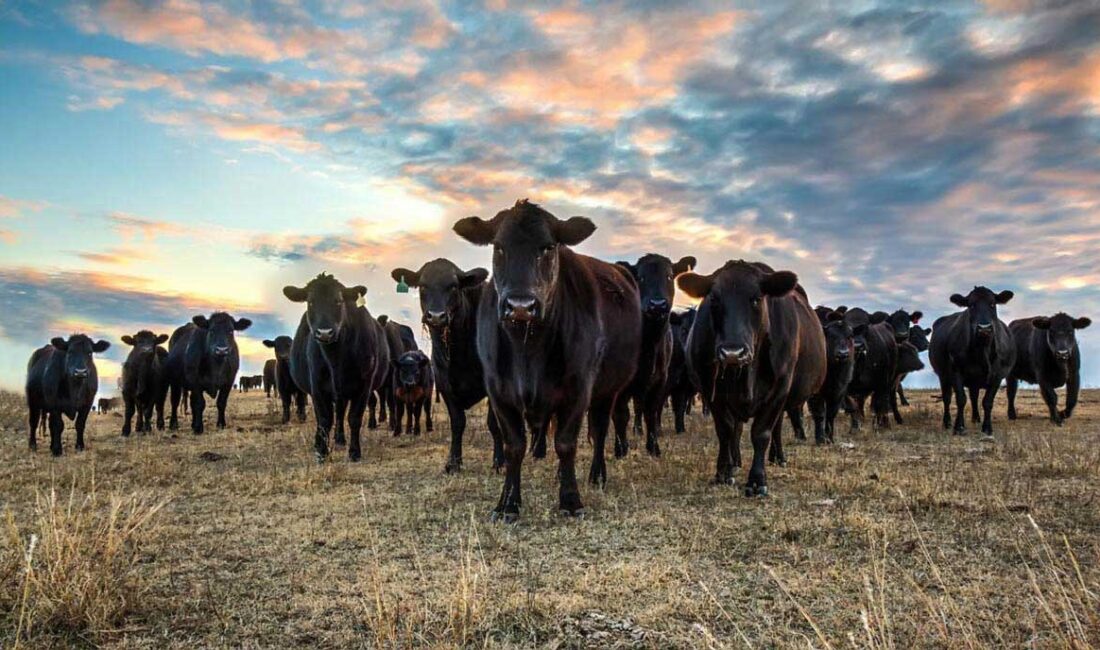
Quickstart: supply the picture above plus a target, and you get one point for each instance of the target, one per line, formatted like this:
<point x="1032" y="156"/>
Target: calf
<point x="655" y="276"/>
<point x="876" y="358"/>
<point x="144" y="386"/>
<point x="840" y="350"/>
<point x="339" y="356"/>
<point x="449" y="300"/>
<point x="680" y="387"/>
<point x="285" y="387"/>
<point x="1047" y="354"/>
<point x="62" y="380"/>
<point x="399" y="340"/>
<point x="203" y="360"/>
<point x="107" y="404"/>
<point x="558" y="336"/>
<point x="972" y="349"/>
<point x="756" y="351"/>
<point x="269" y="377"/>
<point x="413" y="386"/>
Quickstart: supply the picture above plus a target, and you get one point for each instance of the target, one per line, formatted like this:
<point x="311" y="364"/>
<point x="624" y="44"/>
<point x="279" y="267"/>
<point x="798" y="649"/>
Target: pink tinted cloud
<point x="13" y="208"/>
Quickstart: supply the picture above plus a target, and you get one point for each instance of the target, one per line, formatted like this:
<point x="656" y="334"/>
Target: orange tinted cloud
<point x="241" y="128"/>
<point x="12" y="208"/>
<point x="129" y="226"/>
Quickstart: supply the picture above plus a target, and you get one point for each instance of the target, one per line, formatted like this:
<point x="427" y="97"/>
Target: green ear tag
<point x="402" y="286"/>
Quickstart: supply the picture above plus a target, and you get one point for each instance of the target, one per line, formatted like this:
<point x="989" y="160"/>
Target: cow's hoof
<point x="654" y="450"/>
<point x="621" y="450"/>
<point x="453" y="466"/>
<point x="756" y="490"/>
<point x="780" y="462"/>
<point x="498" y="465"/>
<point x="56" y="453"/>
<point x="355" y="456"/>
<point x="573" y="514"/>
<point x="1012" y="414"/>
<point x="340" y="440"/>
<point x="722" y="480"/>
<point x="80" y="447"/>
<point x="501" y="517"/>
<point x="597" y="477"/>
<point x="429" y="428"/>
<point x="33" y="446"/>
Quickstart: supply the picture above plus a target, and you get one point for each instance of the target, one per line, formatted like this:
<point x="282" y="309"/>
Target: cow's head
<point x="656" y="275"/>
<point x="918" y="336"/>
<point x="860" y="321"/>
<point x="900" y="323"/>
<point x="981" y="307"/>
<point x="840" y="337"/>
<point x="410" y="368"/>
<point x="440" y="283"/>
<point x="220" y="329"/>
<point x="526" y="243"/>
<point x="281" y="345"/>
<point x="145" y="342"/>
<point x="78" y="355"/>
<point x="1060" y="332"/>
<point x="908" y="359"/>
<point x="327" y="305"/>
<point x="737" y="297"/>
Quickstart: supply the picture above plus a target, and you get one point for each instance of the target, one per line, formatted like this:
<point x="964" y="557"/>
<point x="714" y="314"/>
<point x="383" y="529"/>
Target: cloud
<point x="14" y="208"/>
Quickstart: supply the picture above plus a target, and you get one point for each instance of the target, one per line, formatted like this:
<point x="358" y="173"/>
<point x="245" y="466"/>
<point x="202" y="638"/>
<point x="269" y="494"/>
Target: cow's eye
<point x="756" y="301"/>
<point x="545" y="250"/>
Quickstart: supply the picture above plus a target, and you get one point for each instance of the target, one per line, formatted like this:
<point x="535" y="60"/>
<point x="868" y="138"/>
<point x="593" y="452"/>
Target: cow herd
<point x="557" y="340"/>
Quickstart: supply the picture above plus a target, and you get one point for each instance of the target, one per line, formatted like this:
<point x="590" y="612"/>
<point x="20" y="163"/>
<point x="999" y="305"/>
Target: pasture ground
<point x="903" y="538"/>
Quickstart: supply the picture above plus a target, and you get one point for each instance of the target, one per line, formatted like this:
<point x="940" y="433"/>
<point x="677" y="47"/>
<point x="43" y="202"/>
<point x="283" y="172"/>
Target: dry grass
<point x="905" y="538"/>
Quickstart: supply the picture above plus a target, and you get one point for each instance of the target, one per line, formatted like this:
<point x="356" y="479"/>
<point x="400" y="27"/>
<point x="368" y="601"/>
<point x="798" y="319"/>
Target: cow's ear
<point x="1040" y="323"/>
<point x="573" y="230"/>
<point x="878" y="317"/>
<point x="1004" y="297"/>
<point x="268" y="343"/>
<point x="959" y="300"/>
<point x="686" y="263"/>
<point x="295" y="294"/>
<point x="473" y="277"/>
<point x="834" y="316"/>
<point x="383" y="319"/>
<point x="695" y="285"/>
<point x="859" y="330"/>
<point x="200" y="321"/>
<point x="915" y="317"/>
<point x="162" y="339"/>
<point x="1081" y="323"/>
<point x="59" y="343"/>
<point x="401" y="274"/>
<point x="843" y="309"/>
<point x="628" y="266"/>
<point x="778" y="284"/>
<point x="101" y="346"/>
<point x="127" y="339"/>
<point x="241" y="324"/>
<point x="476" y="230"/>
<point x="352" y="294"/>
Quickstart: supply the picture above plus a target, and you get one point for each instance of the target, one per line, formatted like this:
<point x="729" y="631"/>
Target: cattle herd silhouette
<point x="556" y="340"/>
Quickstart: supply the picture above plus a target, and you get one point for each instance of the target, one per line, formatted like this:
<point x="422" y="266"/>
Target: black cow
<point x="756" y="351"/>
<point x="339" y="356"/>
<point x="449" y="299"/>
<point x="876" y="359"/>
<point x="558" y="336"/>
<point x="918" y="336"/>
<point x="1047" y="354"/>
<point x="399" y="339"/>
<point x="681" y="388"/>
<point x="413" y="386"/>
<point x="203" y="358"/>
<point x="62" y="380"/>
<point x="655" y="276"/>
<point x="144" y="385"/>
<point x="972" y="349"/>
<point x="107" y="404"/>
<point x="284" y="384"/>
<point x="908" y="361"/>
<point x="269" y="377"/>
<point x="840" y="350"/>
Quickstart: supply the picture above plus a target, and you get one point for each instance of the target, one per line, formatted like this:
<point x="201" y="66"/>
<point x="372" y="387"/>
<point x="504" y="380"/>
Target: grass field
<point x="899" y="539"/>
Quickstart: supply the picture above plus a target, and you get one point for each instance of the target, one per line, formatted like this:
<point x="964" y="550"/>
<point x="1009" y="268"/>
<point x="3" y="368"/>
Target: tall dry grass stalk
<point x="71" y="570"/>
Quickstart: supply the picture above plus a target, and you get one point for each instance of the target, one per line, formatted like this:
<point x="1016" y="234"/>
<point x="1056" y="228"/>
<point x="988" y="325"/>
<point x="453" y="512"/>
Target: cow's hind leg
<point x="355" y="426"/>
<point x="776" y="455"/>
<point x="32" y="420"/>
<point x="372" y="404"/>
<point x="175" y="393"/>
<point x="341" y="413"/>
<point x="987" y="407"/>
<point x="621" y="417"/>
<point x="975" y="414"/>
<point x="565" y="444"/>
<point x="458" y="429"/>
<point x="514" y="434"/>
<point x="1050" y="398"/>
<point x="198" y="405"/>
<point x="81" y="422"/>
<point x="128" y="417"/>
<point x="654" y="400"/>
<point x="498" y="439"/>
<point x="1012" y="385"/>
<point x="960" y="406"/>
<point x="222" y="402"/>
<point x="599" y="417"/>
<point x="794" y="413"/>
<point x="57" y="425"/>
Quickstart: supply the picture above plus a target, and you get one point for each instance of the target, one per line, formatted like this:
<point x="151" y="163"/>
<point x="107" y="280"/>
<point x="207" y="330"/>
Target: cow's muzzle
<point x="80" y="373"/>
<point x="436" y="318"/>
<point x="221" y="351"/>
<point x="731" y="355"/>
<point x="984" y="329"/>
<point x="1062" y="355"/>
<point x="521" y="309"/>
<point x="325" y="335"/>
<point x="657" y="308"/>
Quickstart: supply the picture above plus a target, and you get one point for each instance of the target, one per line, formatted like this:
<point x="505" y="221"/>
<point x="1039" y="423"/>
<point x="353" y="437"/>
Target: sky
<point x="160" y="159"/>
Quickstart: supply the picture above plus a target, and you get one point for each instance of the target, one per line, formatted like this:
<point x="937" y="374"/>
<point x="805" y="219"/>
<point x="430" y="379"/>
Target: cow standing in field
<point x="107" y="404"/>
<point x="1047" y="354"/>
<point x="681" y="388"/>
<point x="655" y="276"/>
<point x="558" y="336"/>
<point x="62" y="381"/>
<point x="285" y="387"/>
<point x="269" y="377"/>
<point x="203" y="359"/>
<point x="918" y="336"/>
<point x="840" y="350"/>
<point x="756" y="351"/>
<point x="413" y="386"/>
<point x="876" y="362"/>
<point x="972" y="349"/>
<point x="449" y="300"/>
<point x="399" y="339"/>
<point x="144" y="385"/>
<point x="339" y="356"/>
